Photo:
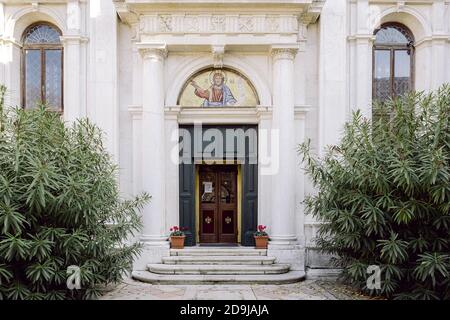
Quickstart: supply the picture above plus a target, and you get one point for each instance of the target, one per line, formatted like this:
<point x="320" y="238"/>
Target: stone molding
<point x="73" y="39"/>
<point x="217" y="115"/>
<point x="187" y="115"/>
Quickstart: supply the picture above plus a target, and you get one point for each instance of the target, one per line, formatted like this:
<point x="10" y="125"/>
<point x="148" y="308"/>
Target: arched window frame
<point x="392" y="48"/>
<point x="42" y="47"/>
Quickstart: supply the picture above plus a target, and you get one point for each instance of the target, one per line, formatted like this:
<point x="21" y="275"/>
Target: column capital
<point x="152" y="51"/>
<point x="285" y="52"/>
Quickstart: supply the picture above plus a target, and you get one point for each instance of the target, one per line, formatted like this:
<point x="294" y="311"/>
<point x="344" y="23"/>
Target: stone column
<point x="283" y="245"/>
<point x="267" y="164"/>
<point x="172" y="167"/>
<point x="363" y="76"/>
<point x="152" y="156"/>
<point x="10" y="57"/>
<point x="439" y="58"/>
<point x="282" y="230"/>
<point x="300" y="134"/>
<point x="136" y="118"/>
<point x="72" y="62"/>
<point x="439" y="61"/>
<point x="153" y="143"/>
<point x="72" y="85"/>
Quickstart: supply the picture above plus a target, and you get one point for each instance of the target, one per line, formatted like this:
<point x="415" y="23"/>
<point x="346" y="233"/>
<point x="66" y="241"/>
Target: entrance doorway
<point x="218" y="203"/>
<point x="191" y="190"/>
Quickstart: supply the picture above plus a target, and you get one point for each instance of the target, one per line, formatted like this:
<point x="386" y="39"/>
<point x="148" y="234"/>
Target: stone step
<point x="218" y="269"/>
<point x="184" y="279"/>
<point x="253" y="260"/>
<point x="218" y="252"/>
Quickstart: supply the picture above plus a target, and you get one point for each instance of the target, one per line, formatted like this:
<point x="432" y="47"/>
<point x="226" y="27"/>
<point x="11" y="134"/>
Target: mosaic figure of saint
<point x="218" y="94"/>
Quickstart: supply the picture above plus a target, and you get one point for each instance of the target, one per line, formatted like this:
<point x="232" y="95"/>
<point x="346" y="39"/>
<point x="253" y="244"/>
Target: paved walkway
<point x="305" y="290"/>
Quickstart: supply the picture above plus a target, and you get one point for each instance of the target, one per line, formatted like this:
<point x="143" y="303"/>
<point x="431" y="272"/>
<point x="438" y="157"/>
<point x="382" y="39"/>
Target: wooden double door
<point x="218" y="204"/>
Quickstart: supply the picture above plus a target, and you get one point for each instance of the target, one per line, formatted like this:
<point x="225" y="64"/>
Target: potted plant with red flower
<point x="261" y="237"/>
<point x="177" y="237"/>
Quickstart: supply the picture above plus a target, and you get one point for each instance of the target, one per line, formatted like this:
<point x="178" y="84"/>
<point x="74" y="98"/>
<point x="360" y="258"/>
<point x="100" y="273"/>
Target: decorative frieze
<point x="165" y="23"/>
<point x="200" y="24"/>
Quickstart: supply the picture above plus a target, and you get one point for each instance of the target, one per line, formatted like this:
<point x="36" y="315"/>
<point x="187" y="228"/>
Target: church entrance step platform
<point x="218" y="269"/>
<point x="210" y="265"/>
<point x="220" y="260"/>
<point x="178" y="279"/>
<point x="223" y="251"/>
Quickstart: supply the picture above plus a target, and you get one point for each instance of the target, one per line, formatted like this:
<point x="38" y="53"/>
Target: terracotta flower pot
<point x="177" y="242"/>
<point x="261" y="242"/>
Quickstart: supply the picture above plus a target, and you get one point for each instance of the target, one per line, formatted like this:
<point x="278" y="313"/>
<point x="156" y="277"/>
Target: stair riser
<point x="202" y="253"/>
<point x="223" y="270"/>
<point x="290" y="277"/>
<point x="216" y="272"/>
<point x="210" y="262"/>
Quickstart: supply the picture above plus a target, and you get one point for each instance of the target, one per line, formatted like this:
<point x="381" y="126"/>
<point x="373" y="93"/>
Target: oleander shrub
<point x="60" y="207"/>
<point x="383" y="195"/>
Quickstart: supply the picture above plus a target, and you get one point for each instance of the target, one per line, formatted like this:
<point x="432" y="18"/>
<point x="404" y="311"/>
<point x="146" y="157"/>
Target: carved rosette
<point x="284" y="53"/>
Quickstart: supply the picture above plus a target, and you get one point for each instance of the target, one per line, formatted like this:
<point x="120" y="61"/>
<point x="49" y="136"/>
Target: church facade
<point x="203" y="102"/>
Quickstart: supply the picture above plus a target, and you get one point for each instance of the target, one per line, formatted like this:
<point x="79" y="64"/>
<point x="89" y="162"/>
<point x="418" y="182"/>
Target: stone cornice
<point x="219" y="115"/>
<point x="228" y="5"/>
<point x="430" y="39"/>
<point x="125" y="13"/>
<point x="135" y="111"/>
<point x="363" y="37"/>
<point x="213" y="17"/>
<point x="10" y="41"/>
<point x="67" y="39"/>
<point x="313" y="12"/>
<point x="186" y="115"/>
<point x="301" y="111"/>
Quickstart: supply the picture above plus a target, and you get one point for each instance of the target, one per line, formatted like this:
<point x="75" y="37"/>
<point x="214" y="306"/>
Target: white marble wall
<point x="332" y="72"/>
<point x="345" y="70"/>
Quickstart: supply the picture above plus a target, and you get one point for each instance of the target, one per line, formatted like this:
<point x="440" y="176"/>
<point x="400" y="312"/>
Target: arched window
<point x="393" y="61"/>
<point x="42" y="72"/>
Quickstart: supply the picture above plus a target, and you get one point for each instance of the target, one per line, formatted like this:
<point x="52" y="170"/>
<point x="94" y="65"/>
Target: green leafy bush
<point x="59" y="207"/>
<point x="384" y="197"/>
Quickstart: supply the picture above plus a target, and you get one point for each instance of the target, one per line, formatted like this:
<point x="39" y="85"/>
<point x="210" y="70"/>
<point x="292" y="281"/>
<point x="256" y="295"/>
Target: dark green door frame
<point x="249" y="171"/>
